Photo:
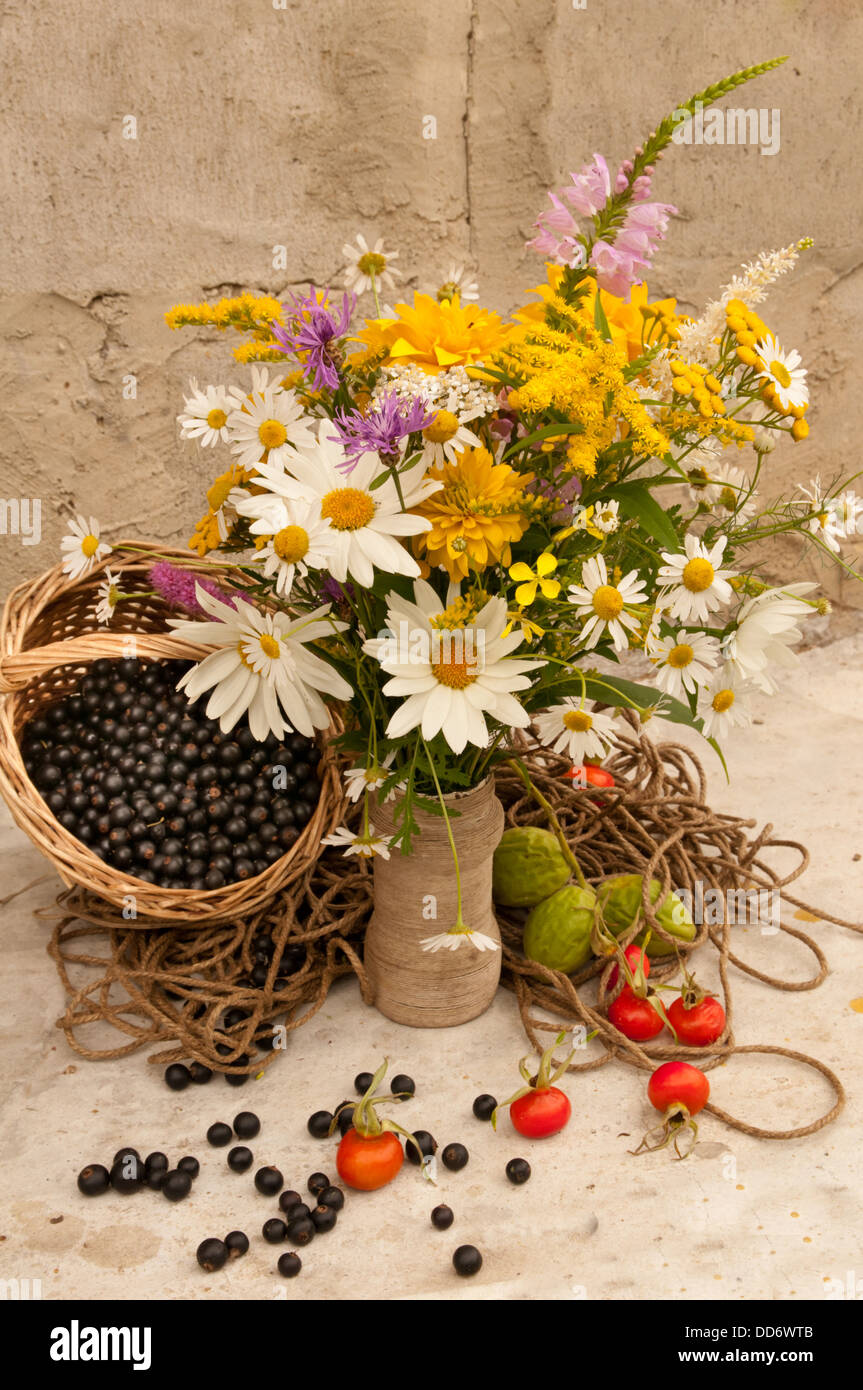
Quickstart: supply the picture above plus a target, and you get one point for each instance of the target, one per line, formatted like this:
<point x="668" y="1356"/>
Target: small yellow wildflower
<point x="531" y="580"/>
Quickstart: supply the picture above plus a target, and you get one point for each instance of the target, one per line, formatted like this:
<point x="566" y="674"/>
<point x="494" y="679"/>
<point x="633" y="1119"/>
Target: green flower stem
<point x="374" y="280"/>
<point x="522" y="774"/>
<point x="460" y="922"/>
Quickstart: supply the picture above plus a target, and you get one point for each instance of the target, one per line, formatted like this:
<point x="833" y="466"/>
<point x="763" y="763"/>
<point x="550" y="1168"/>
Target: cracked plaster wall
<point x="300" y="122"/>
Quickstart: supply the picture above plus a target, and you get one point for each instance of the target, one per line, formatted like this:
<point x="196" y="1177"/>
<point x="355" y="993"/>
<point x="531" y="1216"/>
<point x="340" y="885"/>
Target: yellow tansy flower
<point x="475" y="517"/>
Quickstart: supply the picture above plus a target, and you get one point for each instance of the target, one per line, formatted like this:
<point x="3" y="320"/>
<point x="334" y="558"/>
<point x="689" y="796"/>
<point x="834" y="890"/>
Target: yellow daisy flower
<point x="476" y="515"/>
<point x="435" y="335"/>
<point x="213" y="527"/>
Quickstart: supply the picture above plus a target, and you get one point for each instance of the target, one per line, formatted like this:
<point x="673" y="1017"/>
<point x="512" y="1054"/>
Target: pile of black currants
<point x="154" y="788"/>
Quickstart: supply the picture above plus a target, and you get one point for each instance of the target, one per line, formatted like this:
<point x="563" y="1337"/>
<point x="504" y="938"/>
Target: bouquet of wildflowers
<point x="454" y="526"/>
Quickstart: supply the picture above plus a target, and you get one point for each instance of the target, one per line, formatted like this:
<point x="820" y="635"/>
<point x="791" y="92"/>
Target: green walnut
<point x="557" y="931"/>
<point x="620" y="900"/>
<point x="528" y="866"/>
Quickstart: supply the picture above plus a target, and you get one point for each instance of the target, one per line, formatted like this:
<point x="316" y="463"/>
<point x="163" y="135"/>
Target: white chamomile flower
<point x="82" y="548"/>
<point x="577" y="728"/>
<point x="827" y="523"/>
<point x="206" y="415"/>
<point x="107" y="598"/>
<point x="447" y="436"/>
<point x="847" y="509"/>
<point x="784" y="372"/>
<point x="684" y="661"/>
<point x="364" y="843"/>
<point x="766" y="630"/>
<point x="366" y="521"/>
<point x="261" y="667"/>
<point x="720" y="705"/>
<point x="300" y="539"/>
<point x="457" y="936"/>
<point x="701" y="465"/>
<point x="763" y="439"/>
<point x="734" y="495"/>
<point x="450" y="678"/>
<point x="266" y="426"/>
<point x="369" y="267"/>
<point x="459" y="282"/>
<point x="368" y="777"/>
<point x="604" y="604"/>
<point x="605" y="517"/>
<point x="698" y="586"/>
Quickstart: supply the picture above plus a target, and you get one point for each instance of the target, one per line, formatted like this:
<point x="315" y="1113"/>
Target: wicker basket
<point x="48" y="637"/>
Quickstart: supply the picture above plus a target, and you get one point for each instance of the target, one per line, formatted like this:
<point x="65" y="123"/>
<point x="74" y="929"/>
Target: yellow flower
<point x="530" y="631"/>
<point x="213" y="529"/>
<point x="475" y="517"/>
<point x="628" y="321"/>
<point x="434" y="335"/>
<point x="531" y="581"/>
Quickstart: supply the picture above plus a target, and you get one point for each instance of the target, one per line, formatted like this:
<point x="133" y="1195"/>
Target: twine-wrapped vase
<point x="415" y="898"/>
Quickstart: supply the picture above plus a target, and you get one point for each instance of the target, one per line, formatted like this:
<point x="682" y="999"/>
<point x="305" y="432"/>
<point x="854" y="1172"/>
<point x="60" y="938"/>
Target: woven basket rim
<point x="23" y="667"/>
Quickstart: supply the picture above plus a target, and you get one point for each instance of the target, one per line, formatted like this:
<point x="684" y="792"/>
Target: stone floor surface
<point x="740" y="1219"/>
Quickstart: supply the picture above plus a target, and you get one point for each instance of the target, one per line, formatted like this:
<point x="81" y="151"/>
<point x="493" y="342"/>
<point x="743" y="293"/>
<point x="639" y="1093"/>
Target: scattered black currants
<point x="237" y="1243"/>
<point x="219" y="1135"/>
<point x="289" y="1265"/>
<point x="404" y="1087"/>
<point x="246" y="1125"/>
<point x="153" y="787"/>
<point x="484" y="1107"/>
<point x="93" y="1180"/>
<point x="319" y="1124"/>
<point x="212" y="1255"/>
<point x="427" y="1144"/>
<point x="518" y="1170"/>
<point x="442" y="1217"/>
<point x="467" y="1260"/>
<point x="454" y="1157"/>
<point x="240" y="1159"/>
<point x="269" y="1181"/>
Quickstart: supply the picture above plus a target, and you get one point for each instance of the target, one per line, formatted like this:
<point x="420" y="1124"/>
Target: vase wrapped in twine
<point x="415" y="898"/>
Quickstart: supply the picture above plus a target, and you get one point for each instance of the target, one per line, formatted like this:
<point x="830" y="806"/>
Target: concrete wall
<point x="301" y="122"/>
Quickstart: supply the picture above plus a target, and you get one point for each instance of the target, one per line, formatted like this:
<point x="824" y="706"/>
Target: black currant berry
<point x="403" y="1086"/>
<point x="518" y="1170"/>
<point x="93" y="1180"/>
<point x="289" y="1265"/>
<point x="189" y="1165"/>
<point x="317" y="1182"/>
<point x="127" y="1176"/>
<point x="319" y="1124"/>
<point x="269" y="1181"/>
<point x="426" y="1142"/>
<point x="177" y="1076"/>
<point x="301" y="1231"/>
<point x="345" y="1119"/>
<point x="331" y="1197"/>
<point x="288" y="1200"/>
<point x="484" y="1107"/>
<point x="219" y="1135"/>
<point x="323" y="1218"/>
<point x="237" y="1243"/>
<point x="240" y="1159"/>
<point x="274" y="1231"/>
<point x="200" y="1074"/>
<point x="212" y="1255"/>
<point x="454" y="1157"/>
<point x="176" y="1185"/>
<point x="442" y="1217"/>
<point x="467" y="1260"/>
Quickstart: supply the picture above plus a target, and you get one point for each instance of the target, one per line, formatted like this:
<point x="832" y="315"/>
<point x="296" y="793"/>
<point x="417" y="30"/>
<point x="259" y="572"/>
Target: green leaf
<point x="565" y="427"/>
<point x="637" y="502"/>
<point x="599" y="318"/>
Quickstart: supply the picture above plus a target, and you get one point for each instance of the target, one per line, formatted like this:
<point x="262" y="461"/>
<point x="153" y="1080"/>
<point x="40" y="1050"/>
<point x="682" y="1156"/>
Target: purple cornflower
<point x="334" y="591"/>
<point x="177" y="586"/>
<point x="390" y="419"/>
<point x="311" y="329"/>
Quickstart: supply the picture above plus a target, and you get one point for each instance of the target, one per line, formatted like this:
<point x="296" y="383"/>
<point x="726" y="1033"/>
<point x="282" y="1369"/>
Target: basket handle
<point x="18" y="669"/>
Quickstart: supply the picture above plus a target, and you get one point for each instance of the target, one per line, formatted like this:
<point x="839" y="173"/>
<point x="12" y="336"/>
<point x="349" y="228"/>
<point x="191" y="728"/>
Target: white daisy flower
<point x="359" y="780"/>
<point x="82" y="548"/>
<point x="701" y="465"/>
<point x="458" y="282"/>
<point x="366" y="521"/>
<point x="577" y="728"/>
<point x="847" y="509"/>
<point x="766" y="629"/>
<point x="369" y="266"/>
<point x="684" y="661"/>
<point x="827" y="523"/>
<point x="452" y="940"/>
<point x="299" y="540"/>
<point x="451" y="678"/>
<point x="261" y="667"/>
<point x="720" y="706"/>
<point x="603" y="604"/>
<point x="206" y="415"/>
<point x="107" y="598"/>
<point x="699" y="586"/>
<point x="366" y="844"/>
<point x="265" y="427"/>
<point x="784" y="371"/>
<point x="447" y="435"/>
<point x="734" y="496"/>
<point x="605" y="517"/>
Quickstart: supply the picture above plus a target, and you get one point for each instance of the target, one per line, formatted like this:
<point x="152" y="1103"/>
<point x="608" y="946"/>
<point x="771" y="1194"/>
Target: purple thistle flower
<point x="311" y="329"/>
<point x="390" y="419"/>
<point x="177" y="586"/>
<point x="334" y="591"/>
